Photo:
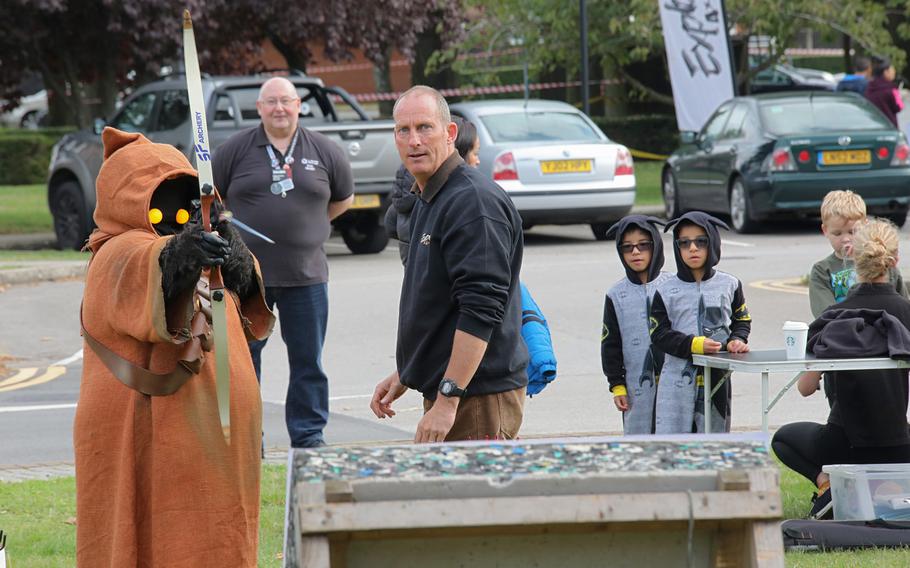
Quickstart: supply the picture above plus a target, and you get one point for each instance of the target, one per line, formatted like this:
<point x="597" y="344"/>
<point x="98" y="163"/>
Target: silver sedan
<point x="553" y="161"/>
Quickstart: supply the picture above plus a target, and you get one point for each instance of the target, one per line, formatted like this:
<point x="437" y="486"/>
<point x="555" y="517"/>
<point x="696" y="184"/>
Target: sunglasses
<point x="700" y="243"/>
<point x="644" y="246"/>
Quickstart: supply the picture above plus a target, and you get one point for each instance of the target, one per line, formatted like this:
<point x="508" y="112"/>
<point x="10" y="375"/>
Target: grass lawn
<point x="23" y="209"/>
<point x="38" y="518"/>
<point x="647" y="175"/>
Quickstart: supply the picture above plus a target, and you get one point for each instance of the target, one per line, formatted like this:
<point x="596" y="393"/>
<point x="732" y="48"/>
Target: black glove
<point x="185" y="255"/>
<point x="238" y="270"/>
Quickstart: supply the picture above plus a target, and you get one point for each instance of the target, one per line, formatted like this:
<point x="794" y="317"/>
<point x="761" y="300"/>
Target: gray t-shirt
<point x="832" y="278"/>
<point x="298" y="223"/>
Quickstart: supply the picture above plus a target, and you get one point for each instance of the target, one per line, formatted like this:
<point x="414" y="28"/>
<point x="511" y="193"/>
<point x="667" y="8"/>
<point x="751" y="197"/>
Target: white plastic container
<point x="870" y="491"/>
<point x="795" y="335"/>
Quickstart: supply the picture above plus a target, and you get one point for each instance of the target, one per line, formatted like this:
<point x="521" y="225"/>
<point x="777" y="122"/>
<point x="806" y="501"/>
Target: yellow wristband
<point x="619" y="390"/>
<point x="698" y="344"/>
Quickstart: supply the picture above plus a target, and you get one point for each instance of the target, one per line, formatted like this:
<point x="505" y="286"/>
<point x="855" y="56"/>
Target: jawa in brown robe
<point x="156" y="482"/>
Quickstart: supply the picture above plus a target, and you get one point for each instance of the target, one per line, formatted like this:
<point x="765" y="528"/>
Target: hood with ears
<point x="710" y="225"/>
<point x="648" y="224"/>
<point x="133" y="169"/>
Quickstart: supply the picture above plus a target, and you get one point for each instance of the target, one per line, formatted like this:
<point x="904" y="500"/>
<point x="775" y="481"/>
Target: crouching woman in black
<point x="868" y="420"/>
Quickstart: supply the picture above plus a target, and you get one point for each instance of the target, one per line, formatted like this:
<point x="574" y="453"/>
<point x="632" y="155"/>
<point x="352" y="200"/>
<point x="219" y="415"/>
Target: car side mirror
<point x="98" y="125"/>
<point x="688" y="137"/>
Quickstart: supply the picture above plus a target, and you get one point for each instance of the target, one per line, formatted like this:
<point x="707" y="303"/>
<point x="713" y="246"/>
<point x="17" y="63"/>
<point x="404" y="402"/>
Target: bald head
<point x="279" y="107"/>
<point x="442" y="107"/>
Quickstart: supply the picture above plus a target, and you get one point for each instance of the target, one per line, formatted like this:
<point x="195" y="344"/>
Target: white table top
<point x="775" y="360"/>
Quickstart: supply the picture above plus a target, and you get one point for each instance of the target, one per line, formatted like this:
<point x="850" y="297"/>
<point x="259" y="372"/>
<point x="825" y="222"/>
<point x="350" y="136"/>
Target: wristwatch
<point x="449" y="388"/>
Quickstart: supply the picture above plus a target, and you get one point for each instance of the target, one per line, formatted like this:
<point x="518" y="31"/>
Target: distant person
<point x="398" y="215"/>
<point x="882" y="92"/>
<point x="629" y="361"/>
<point x="868" y="420"/>
<point x="857" y="81"/>
<point x="290" y="182"/>
<point x="700" y="310"/>
<point x="459" y="323"/>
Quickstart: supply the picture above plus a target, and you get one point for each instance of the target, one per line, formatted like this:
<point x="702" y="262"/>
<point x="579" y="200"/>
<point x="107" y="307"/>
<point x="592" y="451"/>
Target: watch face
<point x="446" y="387"/>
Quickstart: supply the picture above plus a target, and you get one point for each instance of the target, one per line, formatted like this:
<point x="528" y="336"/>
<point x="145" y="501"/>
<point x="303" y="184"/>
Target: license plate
<point x="367" y="201"/>
<point x="845" y="157"/>
<point x="565" y="166"/>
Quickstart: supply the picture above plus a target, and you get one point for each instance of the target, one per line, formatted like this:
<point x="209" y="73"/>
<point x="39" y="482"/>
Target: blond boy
<point x="833" y="276"/>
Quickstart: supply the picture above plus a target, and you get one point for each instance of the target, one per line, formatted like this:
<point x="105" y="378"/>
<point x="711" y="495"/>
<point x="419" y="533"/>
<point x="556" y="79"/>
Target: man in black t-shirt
<point x="289" y="183"/>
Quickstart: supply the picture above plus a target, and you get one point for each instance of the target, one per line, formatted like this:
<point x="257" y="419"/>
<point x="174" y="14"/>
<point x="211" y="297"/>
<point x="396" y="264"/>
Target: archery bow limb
<point x="207" y="198"/>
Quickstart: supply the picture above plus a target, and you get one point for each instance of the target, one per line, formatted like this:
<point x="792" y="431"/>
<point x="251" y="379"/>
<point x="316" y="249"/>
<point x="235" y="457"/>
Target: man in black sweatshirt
<point x="459" y="321"/>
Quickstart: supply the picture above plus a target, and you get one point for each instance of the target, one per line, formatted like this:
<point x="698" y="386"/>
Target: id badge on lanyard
<point x="282" y="182"/>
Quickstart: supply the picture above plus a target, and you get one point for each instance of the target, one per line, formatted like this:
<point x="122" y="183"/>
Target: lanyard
<point x="289" y="155"/>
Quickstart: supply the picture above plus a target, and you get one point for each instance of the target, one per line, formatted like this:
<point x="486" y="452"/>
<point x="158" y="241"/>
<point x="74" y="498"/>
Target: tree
<point x="88" y="51"/>
<point x="624" y="33"/>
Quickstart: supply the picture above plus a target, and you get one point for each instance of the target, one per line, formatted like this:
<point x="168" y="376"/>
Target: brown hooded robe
<point x="156" y="483"/>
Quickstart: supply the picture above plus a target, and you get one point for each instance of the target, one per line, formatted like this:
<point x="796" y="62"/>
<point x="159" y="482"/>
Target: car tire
<point x="600" y="231"/>
<point x="898" y="218"/>
<point x="70" y="220"/>
<point x="366" y="235"/>
<point x="740" y="209"/>
<point x="670" y="192"/>
<point x="31" y="120"/>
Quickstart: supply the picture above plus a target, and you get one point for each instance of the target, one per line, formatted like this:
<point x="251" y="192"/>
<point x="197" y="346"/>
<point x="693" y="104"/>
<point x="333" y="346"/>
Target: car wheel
<point x="365" y="235"/>
<point x="740" y="210"/>
<point x="898" y="218"/>
<point x="31" y="120"/>
<point x="600" y="230"/>
<point x="671" y="195"/>
<point x="68" y="209"/>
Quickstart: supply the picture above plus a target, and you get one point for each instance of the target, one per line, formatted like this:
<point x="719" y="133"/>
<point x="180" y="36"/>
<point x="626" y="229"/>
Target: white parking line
<point x="36" y="407"/>
<point x="736" y="243"/>
<point x="64" y="362"/>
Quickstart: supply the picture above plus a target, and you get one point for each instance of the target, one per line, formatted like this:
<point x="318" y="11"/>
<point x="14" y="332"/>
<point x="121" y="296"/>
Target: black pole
<point x="585" y="102"/>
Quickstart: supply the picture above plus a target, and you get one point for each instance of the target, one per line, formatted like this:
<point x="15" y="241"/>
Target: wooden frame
<point x="722" y="518"/>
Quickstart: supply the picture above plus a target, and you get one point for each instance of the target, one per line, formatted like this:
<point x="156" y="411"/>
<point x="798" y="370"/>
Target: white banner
<point x="696" y="40"/>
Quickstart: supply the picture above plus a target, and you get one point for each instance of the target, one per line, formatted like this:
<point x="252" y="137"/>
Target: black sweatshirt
<point x="462" y="273"/>
<point x="871" y="406"/>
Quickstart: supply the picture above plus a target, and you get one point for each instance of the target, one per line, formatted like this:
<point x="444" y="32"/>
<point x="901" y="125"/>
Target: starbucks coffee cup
<point x="795" y="335"/>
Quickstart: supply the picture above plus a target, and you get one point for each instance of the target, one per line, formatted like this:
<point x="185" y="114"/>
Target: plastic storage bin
<point x="870" y="491"/>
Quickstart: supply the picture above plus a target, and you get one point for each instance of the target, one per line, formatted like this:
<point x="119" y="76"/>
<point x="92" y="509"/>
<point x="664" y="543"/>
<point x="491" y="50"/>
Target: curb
<point x="39" y="273"/>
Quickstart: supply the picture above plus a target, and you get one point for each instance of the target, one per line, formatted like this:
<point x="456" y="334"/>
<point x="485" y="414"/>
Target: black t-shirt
<point x="298" y="223"/>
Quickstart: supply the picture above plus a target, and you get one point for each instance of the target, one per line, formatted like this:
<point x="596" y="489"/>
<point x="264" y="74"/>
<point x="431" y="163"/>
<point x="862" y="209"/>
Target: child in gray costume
<point x="629" y="361"/>
<point x="700" y="310"/>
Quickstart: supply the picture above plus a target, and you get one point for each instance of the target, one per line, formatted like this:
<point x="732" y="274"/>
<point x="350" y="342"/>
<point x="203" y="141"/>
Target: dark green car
<point x="767" y="156"/>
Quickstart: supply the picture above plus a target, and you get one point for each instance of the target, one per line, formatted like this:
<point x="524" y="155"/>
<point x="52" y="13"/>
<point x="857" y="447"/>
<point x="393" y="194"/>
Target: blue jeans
<point x="303" y="312"/>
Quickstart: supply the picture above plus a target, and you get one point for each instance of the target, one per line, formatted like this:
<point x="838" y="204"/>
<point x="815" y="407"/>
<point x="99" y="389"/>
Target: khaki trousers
<point x="486" y="417"/>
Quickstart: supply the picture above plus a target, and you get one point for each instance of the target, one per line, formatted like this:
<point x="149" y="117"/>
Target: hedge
<point x="25" y="154"/>
<point x="654" y="133"/>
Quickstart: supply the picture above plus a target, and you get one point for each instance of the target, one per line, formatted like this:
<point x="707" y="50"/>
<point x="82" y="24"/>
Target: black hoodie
<point x="680" y="344"/>
<point x="611" y="343"/>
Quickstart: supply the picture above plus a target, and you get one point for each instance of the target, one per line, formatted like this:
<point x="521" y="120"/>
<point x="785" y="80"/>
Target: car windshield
<point x="822" y="114"/>
<point x="538" y="127"/>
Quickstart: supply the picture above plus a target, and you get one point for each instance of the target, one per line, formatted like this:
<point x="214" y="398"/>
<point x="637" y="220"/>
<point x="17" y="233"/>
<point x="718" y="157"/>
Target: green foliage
<point x="654" y="133"/>
<point x="545" y="32"/>
<point x="647" y="183"/>
<point x="25" y="154"/>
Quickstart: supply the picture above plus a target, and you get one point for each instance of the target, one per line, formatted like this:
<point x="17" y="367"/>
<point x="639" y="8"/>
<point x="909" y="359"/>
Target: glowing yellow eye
<point x="183" y="216"/>
<point x="155" y="216"/>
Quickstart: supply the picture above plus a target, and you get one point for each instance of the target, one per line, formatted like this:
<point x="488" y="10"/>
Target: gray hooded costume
<point x="626" y="353"/>
<point x="683" y="310"/>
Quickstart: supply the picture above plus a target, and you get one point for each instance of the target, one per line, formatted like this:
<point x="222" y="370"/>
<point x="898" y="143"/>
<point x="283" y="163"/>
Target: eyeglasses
<point x="643" y="246"/>
<point x="284" y="101"/>
<point x="700" y="243"/>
